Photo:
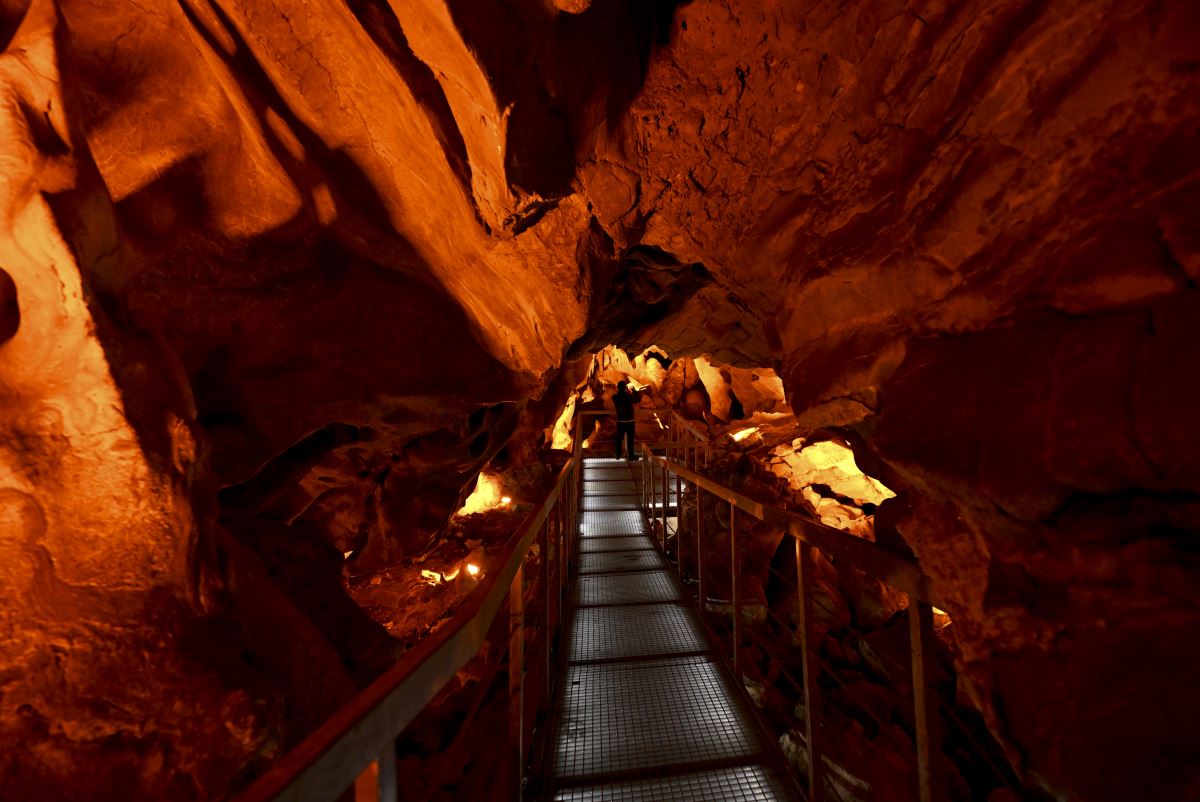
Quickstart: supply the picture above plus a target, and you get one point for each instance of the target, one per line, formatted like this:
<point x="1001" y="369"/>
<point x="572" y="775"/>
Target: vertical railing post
<point x="568" y="522"/>
<point x="812" y="668"/>
<point x="664" y="507"/>
<point x="577" y="497"/>
<point x="733" y="588"/>
<point x="642" y="485"/>
<point x="378" y="783"/>
<point x="799" y="591"/>
<point x="578" y="455"/>
<point x="670" y="436"/>
<point x="548" y="629"/>
<point x="696" y="467"/>
<point x="560" y="529"/>
<point x="516" y="671"/>
<point x="679" y="521"/>
<point x="920" y="630"/>
<point x="653" y="491"/>
<point x="649" y="488"/>
<point x="564" y="543"/>
<point x="700" y="597"/>
<point x="576" y="519"/>
<point x="658" y="485"/>
<point x="389" y="787"/>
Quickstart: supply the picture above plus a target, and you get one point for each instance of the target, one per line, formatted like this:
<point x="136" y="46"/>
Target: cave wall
<point x="268" y="296"/>
<point x="323" y="259"/>
<point x="965" y="230"/>
<point x="109" y="613"/>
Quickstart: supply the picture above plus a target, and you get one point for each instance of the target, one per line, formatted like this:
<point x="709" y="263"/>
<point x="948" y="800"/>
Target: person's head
<point x="622" y="387"/>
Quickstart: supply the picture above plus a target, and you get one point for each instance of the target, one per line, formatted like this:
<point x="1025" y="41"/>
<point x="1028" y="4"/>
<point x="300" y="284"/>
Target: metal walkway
<point x="645" y="711"/>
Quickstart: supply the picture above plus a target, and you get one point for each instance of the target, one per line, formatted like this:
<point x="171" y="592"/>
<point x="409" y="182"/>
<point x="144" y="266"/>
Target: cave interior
<point x="301" y="300"/>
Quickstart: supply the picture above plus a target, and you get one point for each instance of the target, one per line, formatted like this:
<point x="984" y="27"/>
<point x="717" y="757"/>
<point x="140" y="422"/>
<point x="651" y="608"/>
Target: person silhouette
<point x="623" y="401"/>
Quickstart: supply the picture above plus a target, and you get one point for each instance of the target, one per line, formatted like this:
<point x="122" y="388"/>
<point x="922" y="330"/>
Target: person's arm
<point x="637" y="395"/>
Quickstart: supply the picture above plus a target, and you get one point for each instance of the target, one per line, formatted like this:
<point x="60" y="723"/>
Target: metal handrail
<point x="879" y="563"/>
<point x="688" y="426"/>
<point x="356" y="746"/>
<point x="638" y="412"/>
<point x="855" y="552"/>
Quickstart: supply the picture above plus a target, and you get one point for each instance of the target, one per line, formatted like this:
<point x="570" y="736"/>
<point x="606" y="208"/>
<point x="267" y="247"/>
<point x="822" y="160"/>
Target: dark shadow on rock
<point x="363" y="218"/>
<point x="379" y="21"/>
<point x="563" y="74"/>
<point x="10" y="311"/>
<point x="648" y="287"/>
<point x="11" y="17"/>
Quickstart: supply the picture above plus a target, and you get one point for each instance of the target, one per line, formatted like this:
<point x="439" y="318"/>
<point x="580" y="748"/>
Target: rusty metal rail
<point x="356" y="747"/>
<point x="686" y="448"/>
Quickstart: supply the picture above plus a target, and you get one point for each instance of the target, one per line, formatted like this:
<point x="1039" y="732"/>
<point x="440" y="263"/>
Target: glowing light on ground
<point x="587" y="441"/>
<point x="831" y="464"/>
<point x="828" y="463"/>
<point x="742" y="434"/>
<point x="488" y="495"/>
<point x="561" y="434"/>
<point x="435" y="578"/>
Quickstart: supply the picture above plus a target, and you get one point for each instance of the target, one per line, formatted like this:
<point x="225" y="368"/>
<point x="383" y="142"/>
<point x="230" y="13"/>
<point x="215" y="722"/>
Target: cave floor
<point x="645" y="711"/>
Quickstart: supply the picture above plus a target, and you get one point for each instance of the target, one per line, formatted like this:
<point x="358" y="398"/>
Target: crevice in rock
<point x="556" y="70"/>
<point x="10" y="310"/>
<point x="1173" y="266"/>
<point x="649" y="286"/>
<point x="281" y="472"/>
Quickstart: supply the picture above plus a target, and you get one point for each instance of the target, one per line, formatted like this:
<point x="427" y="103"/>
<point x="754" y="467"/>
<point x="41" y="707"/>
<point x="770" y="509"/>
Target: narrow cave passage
<point x="312" y="314"/>
<point x="626" y="592"/>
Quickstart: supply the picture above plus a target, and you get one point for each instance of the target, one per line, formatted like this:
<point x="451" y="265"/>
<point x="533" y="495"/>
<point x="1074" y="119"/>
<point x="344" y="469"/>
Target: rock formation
<point x="278" y="278"/>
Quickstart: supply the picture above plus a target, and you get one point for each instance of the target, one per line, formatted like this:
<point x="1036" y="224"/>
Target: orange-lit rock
<point x="736" y="393"/>
<point x="108" y="559"/>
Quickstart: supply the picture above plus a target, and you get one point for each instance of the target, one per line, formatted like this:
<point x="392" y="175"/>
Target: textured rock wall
<point x="271" y="250"/>
<point x="107" y="667"/>
<point x="325" y="258"/>
<point x="965" y="230"/>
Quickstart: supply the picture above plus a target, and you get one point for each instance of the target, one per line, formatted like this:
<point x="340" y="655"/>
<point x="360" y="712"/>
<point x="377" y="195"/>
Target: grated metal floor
<point x="609" y="487"/>
<point x="607" y="633"/>
<point x="623" y="716"/>
<point x="644" y="713"/>
<point x="615" y="543"/>
<point x="613" y="473"/>
<point x="627" y="502"/>
<point x="641" y="588"/>
<point x="738" y="784"/>
<point x="608" y="562"/>
<point x="604" y="524"/>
